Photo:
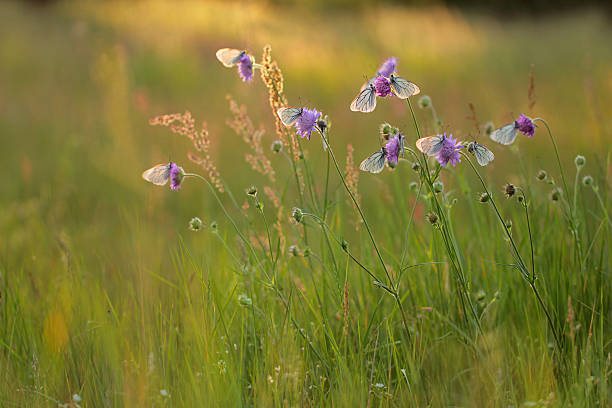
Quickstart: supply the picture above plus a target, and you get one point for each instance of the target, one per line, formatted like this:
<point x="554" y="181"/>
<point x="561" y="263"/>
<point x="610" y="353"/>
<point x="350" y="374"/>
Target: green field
<point x="108" y="299"/>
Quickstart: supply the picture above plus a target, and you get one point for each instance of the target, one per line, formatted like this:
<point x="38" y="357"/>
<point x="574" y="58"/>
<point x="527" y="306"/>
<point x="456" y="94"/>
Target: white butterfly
<point x="365" y="101"/>
<point x="505" y="134"/>
<point x="402" y="88"/>
<point x="229" y="56"/>
<point x="430" y="145"/>
<point x="289" y="115"/>
<point x="375" y="163"/>
<point x="483" y="155"/>
<point x="158" y="175"/>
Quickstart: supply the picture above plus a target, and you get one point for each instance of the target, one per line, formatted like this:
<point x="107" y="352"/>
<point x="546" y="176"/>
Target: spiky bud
<point x="252" y="191"/>
<point x="555" y="194"/>
<point x="509" y="190"/>
<point x="195" y="224"/>
<point x="432" y="218"/>
<point x="542" y="175"/>
<point x="438" y="187"/>
<point x="297" y="215"/>
<point x="293" y="250"/>
<point x="277" y="146"/>
<point x="579" y="161"/>
<point x="484" y="197"/>
<point x="587" y="180"/>
<point x="424" y="102"/>
<point x="416" y="166"/>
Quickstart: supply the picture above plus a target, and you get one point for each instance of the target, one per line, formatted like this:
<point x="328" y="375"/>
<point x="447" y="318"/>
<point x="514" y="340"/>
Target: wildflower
<point x="438" y="186"/>
<point x="542" y="175"/>
<point x="245" y="68"/>
<point x="297" y="215"/>
<point x="388" y="67"/>
<point x="509" y="190"/>
<point x="176" y="176"/>
<point x="306" y="122"/>
<point x="424" y="102"/>
<point x="252" y="191"/>
<point x="525" y="125"/>
<point x="277" y="146"/>
<point x="195" y="224"/>
<point x="484" y="197"/>
<point x="449" y="152"/>
<point x="587" y="180"/>
<point x="555" y="194"/>
<point x="580" y="161"/>
<point x="393" y="148"/>
<point x="432" y="218"/>
<point x="293" y="250"/>
<point x="382" y="86"/>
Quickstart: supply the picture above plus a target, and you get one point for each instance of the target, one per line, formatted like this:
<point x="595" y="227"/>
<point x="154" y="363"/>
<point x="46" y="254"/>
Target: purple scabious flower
<point x="306" y="122"/>
<point x="388" y="67"/>
<point x="525" y="125"/>
<point x="382" y="86"/>
<point x="245" y="68"/>
<point x="392" y="149"/>
<point x="176" y="176"/>
<point x="449" y="151"/>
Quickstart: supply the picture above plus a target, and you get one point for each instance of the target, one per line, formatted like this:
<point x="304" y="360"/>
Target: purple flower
<point x="306" y="122"/>
<point x="525" y="125"/>
<point x="388" y="67"/>
<point x="449" y="151"/>
<point x="245" y="68"/>
<point x="382" y="86"/>
<point x="392" y="149"/>
<point x="176" y="176"/>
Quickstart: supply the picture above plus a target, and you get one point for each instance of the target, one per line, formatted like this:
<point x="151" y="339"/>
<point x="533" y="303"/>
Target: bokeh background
<point x="79" y="82"/>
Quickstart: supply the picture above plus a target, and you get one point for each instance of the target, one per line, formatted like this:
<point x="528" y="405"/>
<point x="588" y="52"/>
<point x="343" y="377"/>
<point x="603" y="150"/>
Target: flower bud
<point x="521" y="198"/>
<point x="213" y="225"/>
<point x="307" y="252"/>
<point x="195" y="224"/>
<point x="392" y="164"/>
<point x="509" y="190"/>
<point x="293" y="250"/>
<point x="385" y="130"/>
<point x="438" y="186"/>
<point x="432" y="218"/>
<point x="259" y="205"/>
<point x="587" y="180"/>
<point x="508" y="224"/>
<point x="413" y="186"/>
<point x="579" y="161"/>
<point x="252" y="191"/>
<point x="277" y="146"/>
<point x="488" y="128"/>
<point x="301" y="155"/>
<point x="484" y="197"/>
<point x="297" y="215"/>
<point x="424" y="102"/>
<point x="416" y="166"/>
<point x="345" y="245"/>
<point x="555" y="194"/>
<point x="244" y="300"/>
<point x="541" y="175"/>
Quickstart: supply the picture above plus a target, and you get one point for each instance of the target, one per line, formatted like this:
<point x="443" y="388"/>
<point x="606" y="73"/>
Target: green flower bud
<point x="195" y="224"/>
<point x="579" y="161"/>
<point x="438" y="187"/>
<point x="297" y="215"/>
<point x="587" y="180"/>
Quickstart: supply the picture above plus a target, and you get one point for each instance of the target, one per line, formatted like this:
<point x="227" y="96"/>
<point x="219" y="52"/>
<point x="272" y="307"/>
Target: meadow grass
<point x="106" y="293"/>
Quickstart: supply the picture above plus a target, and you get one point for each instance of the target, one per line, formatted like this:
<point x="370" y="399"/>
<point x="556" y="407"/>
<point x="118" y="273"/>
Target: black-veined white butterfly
<point x="483" y="155"/>
<point x="289" y="115"/>
<point x="402" y="88"/>
<point x="506" y="134"/>
<point x="430" y="145"/>
<point x="229" y="56"/>
<point x="158" y="175"/>
<point x="375" y="163"/>
<point x="365" y="101"/>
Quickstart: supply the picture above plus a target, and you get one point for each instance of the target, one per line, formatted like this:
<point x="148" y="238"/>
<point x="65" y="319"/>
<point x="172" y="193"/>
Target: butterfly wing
<point x="365" y="101"/>
<point x="375" y="163"/>
<point x="157" y="175"/>
<point x="505" y="134"/>
<point x="289" y="115"/>
<point x="229" y="56"/>
<point x="366" y="84"/>
<point x="483" y="155"/>
<point x="430" y="145"/>
<point x="402" y="88"/>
